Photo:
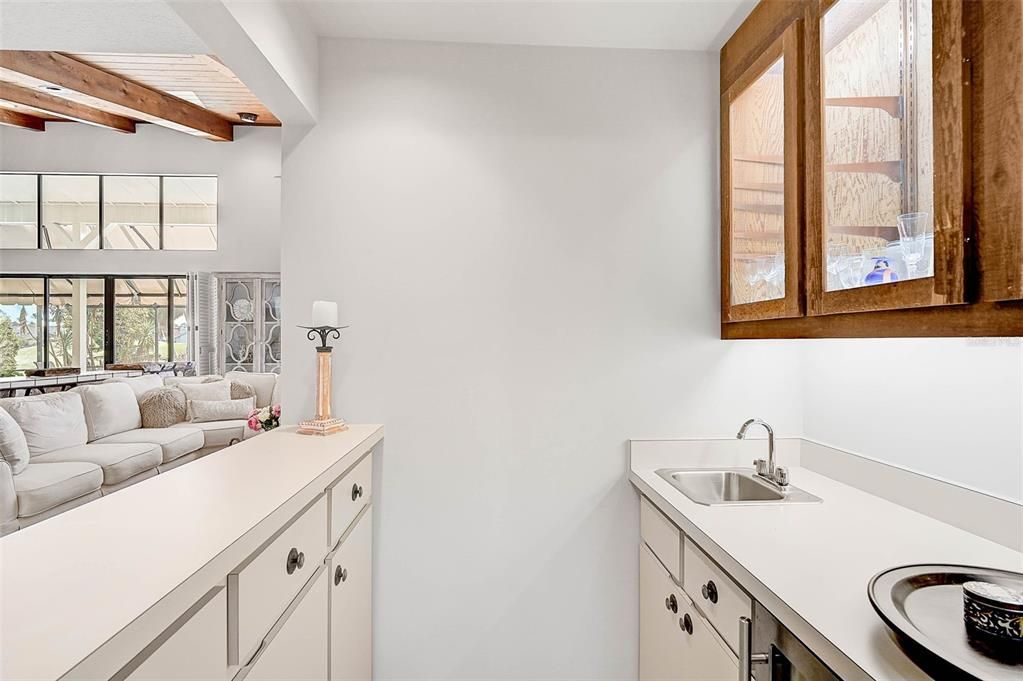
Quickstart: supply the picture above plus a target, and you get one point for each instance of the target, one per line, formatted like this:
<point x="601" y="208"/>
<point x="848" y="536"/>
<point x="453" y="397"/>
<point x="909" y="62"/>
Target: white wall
<point x="249" y="169"/>
<point x="524" y="241"/>
<point x="950" y="408"/>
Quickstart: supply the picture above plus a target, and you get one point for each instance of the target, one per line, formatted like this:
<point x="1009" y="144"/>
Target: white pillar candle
<point x="324" y="313"/>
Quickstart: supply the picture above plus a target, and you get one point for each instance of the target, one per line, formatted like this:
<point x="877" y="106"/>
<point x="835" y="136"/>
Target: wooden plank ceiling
<point x="195" y="94"/>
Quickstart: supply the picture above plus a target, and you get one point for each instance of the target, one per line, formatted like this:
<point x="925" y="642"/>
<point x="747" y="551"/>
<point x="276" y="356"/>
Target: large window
<point x="91" y="321"/>
<point x="69" y="211"/>
<point x="131" y="212"/>
<point x="21" y="324"/>
<point x="19" y="206"/>
<point x="75" y="313"/>
<point x="124" y="212"/>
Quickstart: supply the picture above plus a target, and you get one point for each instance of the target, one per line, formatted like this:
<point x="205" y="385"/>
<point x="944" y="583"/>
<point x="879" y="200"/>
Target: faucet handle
<point x="761" y="466"/>
<point x="781" y="475"/>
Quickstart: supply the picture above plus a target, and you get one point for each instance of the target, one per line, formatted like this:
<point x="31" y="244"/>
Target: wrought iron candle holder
<point x="324" y="423"/>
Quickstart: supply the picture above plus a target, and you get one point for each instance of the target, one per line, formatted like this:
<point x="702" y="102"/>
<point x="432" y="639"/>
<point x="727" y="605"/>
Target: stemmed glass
<point x="913" y="231"/>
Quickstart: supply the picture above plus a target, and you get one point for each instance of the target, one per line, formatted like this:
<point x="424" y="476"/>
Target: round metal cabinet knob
<point x="296" y="559"/>
<point x="340" y="575"/>
<point x="356" y="491"/>
<point x="671" y="603"/>
<point x="710" y="591"/>
<point x="686" y="624"/>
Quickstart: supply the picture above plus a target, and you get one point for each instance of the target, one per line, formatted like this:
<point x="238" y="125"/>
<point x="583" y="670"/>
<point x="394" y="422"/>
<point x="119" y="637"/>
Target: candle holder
<point x="323" y="423"/>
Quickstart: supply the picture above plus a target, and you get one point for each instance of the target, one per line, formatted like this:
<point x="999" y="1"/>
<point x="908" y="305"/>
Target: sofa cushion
<point x="51" y="421"/>
<point x="109" y="408"/>
<point x="220" y="433"/>
<point x="190" y="380"/>
<point x="118" y="461"/>
<point x="162" y="408"/>
<point x="216" y="390"/>
<point x="263" y="384"/>
<point x="139" y="385"/>
<point x="174" y="442"/>
<point x="13" y="447"/>
<point x="42" y="486"/>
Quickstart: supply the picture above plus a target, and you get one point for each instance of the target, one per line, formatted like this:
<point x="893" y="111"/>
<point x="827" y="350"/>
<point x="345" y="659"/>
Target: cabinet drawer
<point x="661" y="535"/>
<point x="260" y="590"/>
<point x="348" y="495"/>
<point x="706" y="657"/>
<point x="193" y="649"/>
<point x="297" y="651"/>
<point x="714" y="593"/>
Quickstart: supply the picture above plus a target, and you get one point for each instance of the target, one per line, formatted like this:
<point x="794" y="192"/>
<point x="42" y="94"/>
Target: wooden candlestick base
<point x="324" y="423"/>
<point x="322" y="426"/>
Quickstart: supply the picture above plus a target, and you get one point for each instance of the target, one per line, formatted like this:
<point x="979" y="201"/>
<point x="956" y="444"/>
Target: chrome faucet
<point x="776" y="475"/>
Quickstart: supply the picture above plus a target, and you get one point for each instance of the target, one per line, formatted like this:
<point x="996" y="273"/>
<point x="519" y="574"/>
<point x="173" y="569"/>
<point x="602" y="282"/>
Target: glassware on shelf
<point x="914" y="228"/>
<point x="881" y="273"/>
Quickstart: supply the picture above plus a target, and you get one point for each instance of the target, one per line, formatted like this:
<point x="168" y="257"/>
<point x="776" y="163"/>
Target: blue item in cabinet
<point x="882" y="273"/>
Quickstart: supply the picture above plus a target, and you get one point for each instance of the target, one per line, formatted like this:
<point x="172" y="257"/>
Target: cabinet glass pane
<point x="131" y="212"/>
<point x="190" y="213"/>
<point x="70" y="211"/>
<point x="240" y="325"/>
<point x="756" y="121"/>
<point x="272" y="326"/>
<point x="18" y="195"/>
<point x="75" y="318"/>
<point x="878" y="142"/>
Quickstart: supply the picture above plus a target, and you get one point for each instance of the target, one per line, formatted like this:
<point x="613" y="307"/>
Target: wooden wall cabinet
<point x="899" y="209"/>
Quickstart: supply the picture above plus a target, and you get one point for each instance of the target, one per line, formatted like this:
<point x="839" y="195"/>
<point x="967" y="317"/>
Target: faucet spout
<point x="767" y="468"/>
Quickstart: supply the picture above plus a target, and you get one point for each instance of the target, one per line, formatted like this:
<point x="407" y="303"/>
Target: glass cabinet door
<point x="761" y="212"/>
<point x="239" y="325"/>
<point x="271" y="336"/>
<point x="887" y="227"/>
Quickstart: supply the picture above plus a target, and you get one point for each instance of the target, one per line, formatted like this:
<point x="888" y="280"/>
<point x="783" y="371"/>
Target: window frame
<point x="101" y="177"/>
<point x="109" y="299"/>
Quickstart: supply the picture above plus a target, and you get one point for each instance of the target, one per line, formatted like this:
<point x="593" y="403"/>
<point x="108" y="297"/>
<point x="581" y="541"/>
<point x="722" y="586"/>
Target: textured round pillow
<point x="162" y="407"/>
<point x="240" y="391"/>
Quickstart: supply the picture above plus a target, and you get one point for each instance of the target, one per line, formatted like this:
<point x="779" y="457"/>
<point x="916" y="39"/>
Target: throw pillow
<point x="13" y="447"/>
<point x="162" y="408"/>
<point x="218" y="390"/>
<point x="220" y="410"/>
<point x="51" y="421"/>
<point x="110" y="408"/>
<point x="239" y="391"/>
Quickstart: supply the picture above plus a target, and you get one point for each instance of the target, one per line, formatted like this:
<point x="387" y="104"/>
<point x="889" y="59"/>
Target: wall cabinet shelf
<point x="871" y="170"/>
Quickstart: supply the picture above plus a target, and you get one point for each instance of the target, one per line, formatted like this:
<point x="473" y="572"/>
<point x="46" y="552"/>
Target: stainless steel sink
<point x="732" y="486"/>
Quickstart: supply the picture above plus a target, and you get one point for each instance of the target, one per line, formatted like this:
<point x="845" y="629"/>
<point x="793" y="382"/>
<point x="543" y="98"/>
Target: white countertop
<point x="809" y="564"/>
<point x="70" y="583"/>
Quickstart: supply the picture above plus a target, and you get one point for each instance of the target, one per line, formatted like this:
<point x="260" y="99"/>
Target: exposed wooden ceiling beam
<point x="148" y="104"/>
<point x="64" y="108"/>
<point x="18" y="119"/>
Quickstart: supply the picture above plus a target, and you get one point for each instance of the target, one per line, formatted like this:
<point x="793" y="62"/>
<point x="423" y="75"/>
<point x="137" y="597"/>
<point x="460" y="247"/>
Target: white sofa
<point x="89" y="441"/>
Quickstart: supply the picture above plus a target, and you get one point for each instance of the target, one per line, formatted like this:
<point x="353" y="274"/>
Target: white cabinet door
<point x="660" y="645"/>
<point x="351" y="606"/>
<point x="298" y="651"/>
<point x="705" y="656"/>
<point x="197" y="651"/>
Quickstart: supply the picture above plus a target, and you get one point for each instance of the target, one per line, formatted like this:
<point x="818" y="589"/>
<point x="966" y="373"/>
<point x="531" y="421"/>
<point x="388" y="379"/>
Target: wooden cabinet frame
<point x="977" y="76"/>
<point x="787" y="45"/>
<point x="947" y="286"/>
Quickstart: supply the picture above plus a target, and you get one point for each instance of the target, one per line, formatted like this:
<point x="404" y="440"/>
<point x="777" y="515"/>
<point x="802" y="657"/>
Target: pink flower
<point x="254" y="423"/>
<point x="253" y="413"/>
<point x="277" y="410"/>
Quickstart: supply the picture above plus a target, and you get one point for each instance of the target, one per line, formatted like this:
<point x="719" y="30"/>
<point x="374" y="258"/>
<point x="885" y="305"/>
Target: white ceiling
<point x="126" y="26"/>
<point x="638" y="24"/>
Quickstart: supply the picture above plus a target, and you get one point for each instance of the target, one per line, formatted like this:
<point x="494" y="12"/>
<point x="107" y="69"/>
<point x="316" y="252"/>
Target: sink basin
<point x="731" y="486"/>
